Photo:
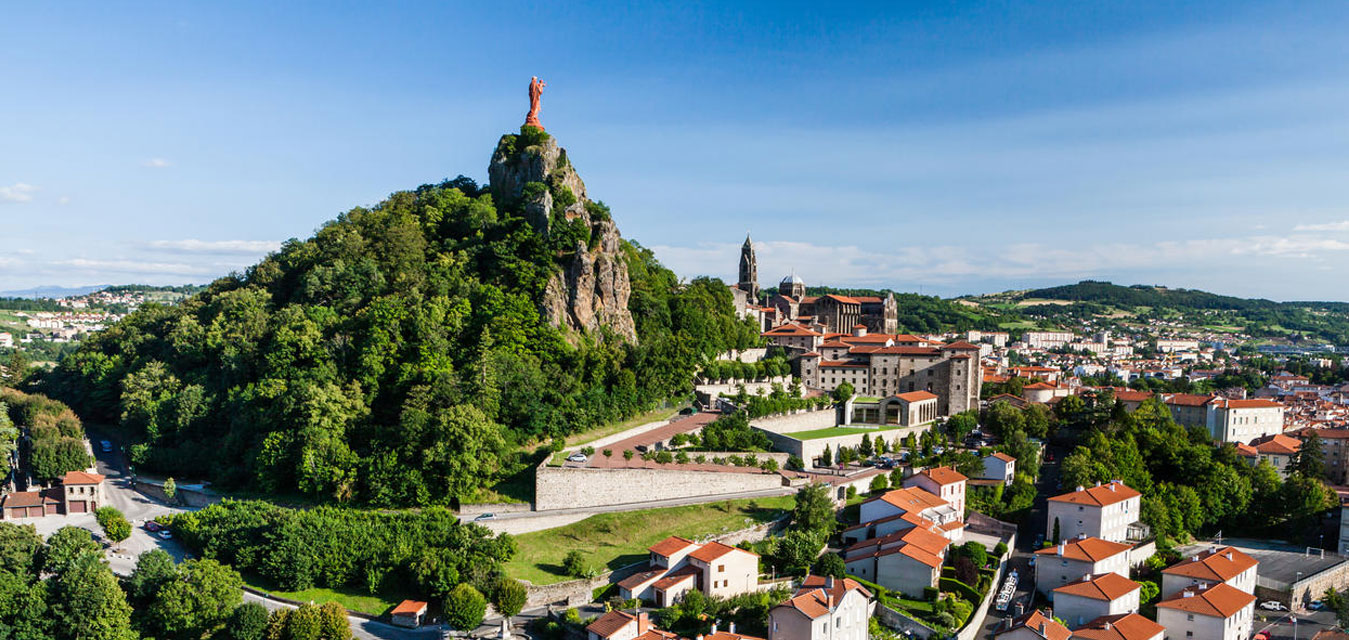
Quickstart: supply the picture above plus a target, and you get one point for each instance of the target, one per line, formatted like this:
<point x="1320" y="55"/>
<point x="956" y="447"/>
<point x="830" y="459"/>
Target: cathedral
<point x="830" y="313"/>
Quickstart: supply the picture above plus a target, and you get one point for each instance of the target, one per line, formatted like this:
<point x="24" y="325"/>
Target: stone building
<point x="883" y="365"/>
<point x="749" y="272"/>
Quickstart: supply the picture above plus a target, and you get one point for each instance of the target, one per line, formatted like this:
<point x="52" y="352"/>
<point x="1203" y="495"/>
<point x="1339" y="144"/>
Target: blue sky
<point x="948" y="148"/>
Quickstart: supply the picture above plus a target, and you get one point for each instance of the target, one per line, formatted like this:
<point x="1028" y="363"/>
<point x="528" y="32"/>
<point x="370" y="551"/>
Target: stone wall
<point x="471" y="510"/>
<point x="808" y="450"/>
<point x="905" y="625"/>
<point x="573" y="488"/>
<point x="800" y="421"/>
<point x="754" y="354"/>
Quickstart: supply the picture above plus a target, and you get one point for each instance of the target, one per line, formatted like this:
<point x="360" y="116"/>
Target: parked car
<point x="577" y="457"/>
<point x="641" y="448"/>
<point x="164" y="534"/>
<point x="1316" y="605"/>
<point x="485" y="516"/>
<point x="107" y="446"/>
<point x="152" y="526"/>
<point x="1273" y="605"/>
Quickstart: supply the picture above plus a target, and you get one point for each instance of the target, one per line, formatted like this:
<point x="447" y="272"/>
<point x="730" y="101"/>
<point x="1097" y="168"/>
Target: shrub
<point x="879" y="483"/>
<point x="114" y="524"/>
<point x="682" y="457"/>
<point x="588" y="451"/>
<point x="510" y="596"/>
<point x="531" y="136"/>
<point x="930" y="594"/>
<point x="700" y="459"/>
<point x="770" y="465"/>
<point x="608" y="453"/>
<point x="852" y="492"/>
<point x="664" y="457"/>
<point x="795" y="463"/>
<point x="575" y="564"/>
<point x="627" y="454"/>
<point x="465" y="607"/>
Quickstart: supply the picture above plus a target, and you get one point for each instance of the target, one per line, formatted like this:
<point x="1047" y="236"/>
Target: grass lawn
<point x="653" y="415"/>
<point x="613" y="540"/>
<point x="816" y="434"/>
<point x="348" y="598"/>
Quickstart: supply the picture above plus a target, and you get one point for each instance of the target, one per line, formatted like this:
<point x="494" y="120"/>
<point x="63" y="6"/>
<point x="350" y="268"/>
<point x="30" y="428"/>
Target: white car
<point x="577" y="457"/>
<point x="164" y="534"/>
<point x="1273" y="605"/>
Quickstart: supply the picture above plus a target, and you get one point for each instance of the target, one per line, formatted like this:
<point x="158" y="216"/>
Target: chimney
<point x="643" y="622"/>
<point x="1086" y="577"/>
<point x="1081" y="488"/>
<point x="732" y="628"/>
<point x="1106" y="627"/>
<point x="1187" y="594"/>
<point x="1098" y="483"/>
<point x="1112" y="486"/>
<point x="1082" y="536"/>
<point x="859" y="331"/>
<point x="714" y="628"/>
<point x="1229" y="555"/>
<point x="829" y="582"/>
<point x="1061" y="546"/>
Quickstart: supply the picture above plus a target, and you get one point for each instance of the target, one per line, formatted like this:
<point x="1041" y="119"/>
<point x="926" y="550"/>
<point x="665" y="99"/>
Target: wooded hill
<point x="399" y="356"/>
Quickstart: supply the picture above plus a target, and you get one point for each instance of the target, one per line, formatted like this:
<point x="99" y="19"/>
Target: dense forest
<point x="397" y="357"/>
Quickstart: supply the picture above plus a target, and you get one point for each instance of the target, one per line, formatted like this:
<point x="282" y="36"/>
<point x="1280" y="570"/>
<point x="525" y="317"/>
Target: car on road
<point x="577" y="457"/>
<point x="152" y="526"/>
<point x="1316" y="605"/>
<point x="164" y="534"/>
<point x="485" y="516"/>
<point x="1273" y="605"/>
<point x="107" y="446"/>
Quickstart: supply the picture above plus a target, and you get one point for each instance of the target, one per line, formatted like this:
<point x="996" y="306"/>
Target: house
<point x="917" y="502"/>
<point x="1278" y="450"/>
<point x="1214" y="566"/>
<point x="82" y="492"/>
<point x="30" y="504"/>
<point x="678" y="565"/>
<point x="824" y="608"/>
<point x="1035" y="625"/>
<point x="1220" y="612"/>
<point x="908" y="561"/>
<point x="1128" y="626"/>
<point x="945" y="483"/>
<point x="79" y="492"/>
<point x="408" y="613"/>
<point x="1069" y="561"/>
<point x="1245" y="420"/>
<point x="1094" y="596"/>
<point x="621" y="625"/>
<point x="1104" y="511"/>
<point x="1330" y="634"/>
<point x="999" y="467"/>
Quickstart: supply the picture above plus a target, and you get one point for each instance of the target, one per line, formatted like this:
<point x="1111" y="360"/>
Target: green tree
<point x="197" y="600"/>
<point x="575" y="564"/>
<point x="465" y="607"/>
<point x="87" y="603"/>
<point x="333" y="622"/>
<point x="154" y="569"/>
<point x="65" y="547"/>
<point x="248" y="621"/>
<point x="814" y="509"/>
<point x="865" y="450"/>
<point x="1310" y="460"/>
<point x="831" y="564"/>
<point x="19" y="549"/>
<point x="114" y="524"/>
<point x="170" y="489"/>
<point x="879" y="483"/>
<point x="826" y="458"/>
<point x="509" y="597"/>
<point x="843" y="391"/>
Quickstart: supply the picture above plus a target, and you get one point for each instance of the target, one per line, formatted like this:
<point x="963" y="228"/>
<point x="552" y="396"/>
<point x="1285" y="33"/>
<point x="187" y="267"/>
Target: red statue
<point x="535" y="91"/>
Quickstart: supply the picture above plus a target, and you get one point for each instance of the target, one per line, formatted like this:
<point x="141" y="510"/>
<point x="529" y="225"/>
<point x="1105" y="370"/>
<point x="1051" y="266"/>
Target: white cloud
<point x="192" y="245"/>
<point x="17" y="192"/>
<point x="63" y="200"/>
<point x="156" y="163"/>
<point x="1342" y="225"/>
<point x="133" y="267"/>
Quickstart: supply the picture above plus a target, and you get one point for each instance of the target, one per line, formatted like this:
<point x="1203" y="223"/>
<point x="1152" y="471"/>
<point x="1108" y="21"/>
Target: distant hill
<point x="52" y="291"/>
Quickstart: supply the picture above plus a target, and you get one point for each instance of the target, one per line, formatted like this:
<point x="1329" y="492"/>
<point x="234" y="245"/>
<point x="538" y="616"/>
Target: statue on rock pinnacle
<point x="535" y="92"/>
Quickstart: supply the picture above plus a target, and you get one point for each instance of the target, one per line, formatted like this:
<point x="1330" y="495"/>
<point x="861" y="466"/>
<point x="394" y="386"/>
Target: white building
<point x="1094" y="596"/>
<point x="908" y="561"/>
<point x="917" y="502"/>
<point x="945" y="483"/>
<point x="1034" y="626"/>
<point x="1000" y="467"/>
<point x="678" y="565"/>
<point x="1046" y="339"/>
<point x="1221" y="612"/>
<point x="1215" y="565"/>
<point x="1245" y="420"/>
<point x="824" y="608"/>
<point x="1103" y="511"/>
<point x="1069" y="561"/>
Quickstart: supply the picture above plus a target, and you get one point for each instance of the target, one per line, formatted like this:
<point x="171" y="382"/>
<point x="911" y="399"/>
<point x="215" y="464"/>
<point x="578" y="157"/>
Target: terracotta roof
<point x="1220" y="601"/>
<point x="839" y="298"/>
<point x="632" y="582"/>
<point x="409" y="607"/>
<point x="28" y="499"/>
<point x="713" y="550"/>
<point x="726" y="635"/>
<point x="676" y="577"/>
<point x="943" y="475"/>
<point x="1102" y="586"/>
<point x="911" y="499"/>
<point x="1258" y="403"/>
<point x="80" y="477"/>
<point x="1217" y="564"/>
<point x="1102" y="496"/>
<point x="1040" y="625"/>
<point x="1330" y="634"/>
<point x="1127" y="626"/>
<point x="790" y="330"/>
<point x="1189" y="399"/>
<point x="1003" y="457"/>
<point x="1041" y="386"/>
<point x="916" y="396"/>
<point x="816" y="596"/>
<point x="960" y="346"/>
<point x="902" y="350"/>
<point x="610" y="623"/>
<point x="670" y="546"/>
<point x="1086" y="550"/>
<point x="811" y="604"/>
<point x="1277" y="444"/>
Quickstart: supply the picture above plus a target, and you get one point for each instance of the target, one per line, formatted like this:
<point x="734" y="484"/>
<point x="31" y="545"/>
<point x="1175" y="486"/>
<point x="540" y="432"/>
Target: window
<point x="1189" y="618"/>
<point x="720" y="568"/>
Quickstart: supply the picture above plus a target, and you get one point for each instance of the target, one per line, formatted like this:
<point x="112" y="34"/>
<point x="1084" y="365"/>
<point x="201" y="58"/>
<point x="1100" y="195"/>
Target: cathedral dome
<point x="793" y="279"/>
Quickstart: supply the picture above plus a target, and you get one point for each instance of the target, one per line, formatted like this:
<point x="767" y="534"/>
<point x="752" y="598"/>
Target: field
<point x="816" y="434"/>
<point x="348" y="598"/>
<point x="613" y="540"/>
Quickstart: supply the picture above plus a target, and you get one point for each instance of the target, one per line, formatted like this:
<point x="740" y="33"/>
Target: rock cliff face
<point x="590" y="289"/>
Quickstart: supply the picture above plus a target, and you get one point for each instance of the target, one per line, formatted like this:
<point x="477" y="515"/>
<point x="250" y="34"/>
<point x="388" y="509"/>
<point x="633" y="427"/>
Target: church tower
<point x="749" y="272"/>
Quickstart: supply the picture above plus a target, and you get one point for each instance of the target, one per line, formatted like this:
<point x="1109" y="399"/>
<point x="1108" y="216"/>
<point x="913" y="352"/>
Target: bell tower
<point x="749" y="272"/>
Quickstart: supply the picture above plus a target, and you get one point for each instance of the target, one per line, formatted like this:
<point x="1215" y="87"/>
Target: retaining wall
<point x="903" y="624"/>
<point x="573" y="488"/>
<point x="803" y="420"/>
<point x="470" y="510"/>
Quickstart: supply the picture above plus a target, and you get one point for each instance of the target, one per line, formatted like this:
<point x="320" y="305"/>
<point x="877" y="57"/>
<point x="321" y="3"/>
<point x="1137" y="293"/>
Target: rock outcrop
<point x="590" y="290"/>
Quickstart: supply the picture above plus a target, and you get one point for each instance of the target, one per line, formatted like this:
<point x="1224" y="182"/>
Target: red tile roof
<point x="943" y="475"/>
<point x="1258" y="403"/>
<point x="671" y="546"/>
<point x="80" y="477"/>
<point x="409" y="607"/>
<point x="1219" y="601"/>
<point x="1102" y="586"/>
<point x="1128" y="626"/>
<point x="1086" y="550"/>
<point x="1102" y="496"/>
<point x="713" y="550"/>
<point x="916" y="396"/>
<point x="1042" y="625"/>
<point x="1218" y="564"/>
<point x="911" y="499"/>
<point x="610" y="623"/>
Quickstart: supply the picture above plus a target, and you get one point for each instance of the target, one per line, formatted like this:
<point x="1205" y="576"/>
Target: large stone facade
<point x="879" y="365"/>
<point x="572" y="488"/>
